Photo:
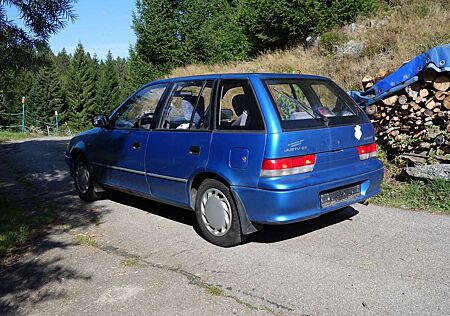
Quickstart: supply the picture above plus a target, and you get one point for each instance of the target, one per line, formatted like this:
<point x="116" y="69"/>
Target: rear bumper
<point x="289" y="206"/>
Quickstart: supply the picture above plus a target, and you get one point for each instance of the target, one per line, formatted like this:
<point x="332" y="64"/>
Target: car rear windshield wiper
<point x="324" y="118"/>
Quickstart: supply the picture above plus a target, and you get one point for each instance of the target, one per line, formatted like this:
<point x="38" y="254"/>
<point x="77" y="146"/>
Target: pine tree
<point x="95" y="66"/>
<point x="210" y="32"/>
<point x="108" y="86"/>
<point x="193" y="15"/>
<point x="56" y="94"/>
<point x="179" y="32"/>
<point x="18" y="85"/>
<point x="62" y="61"/>
<point x="141" y="71"/>
<point x="46" y="97"/>
<point x="81" y="89"/>
<point x="38" y="20"/>
<point x="156" y="27"/>
<point x="123" y="72"/>
<point x="38" y="103"/>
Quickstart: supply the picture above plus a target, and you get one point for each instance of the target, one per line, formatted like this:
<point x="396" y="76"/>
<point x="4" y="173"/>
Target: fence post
<point x="56" y="119"/>
<point x="23" y="114"/>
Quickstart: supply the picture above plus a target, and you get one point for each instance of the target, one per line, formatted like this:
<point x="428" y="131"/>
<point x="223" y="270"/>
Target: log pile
<point x="414" y="122"/>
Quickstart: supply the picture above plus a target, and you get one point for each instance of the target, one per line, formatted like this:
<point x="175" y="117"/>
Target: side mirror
<point x="100" y="121"/>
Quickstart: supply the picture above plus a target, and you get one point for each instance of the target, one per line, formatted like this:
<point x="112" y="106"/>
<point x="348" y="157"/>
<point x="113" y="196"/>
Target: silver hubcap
<point x="82" y="177"/>
<point x="216" y="212"/>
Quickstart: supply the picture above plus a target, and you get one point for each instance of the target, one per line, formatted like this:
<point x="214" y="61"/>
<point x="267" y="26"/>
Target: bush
<point x="329" y="40"/>
<point x="272" y="24"/>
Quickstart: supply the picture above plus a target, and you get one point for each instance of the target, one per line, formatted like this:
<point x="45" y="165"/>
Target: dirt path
<point x="125" y="255"/>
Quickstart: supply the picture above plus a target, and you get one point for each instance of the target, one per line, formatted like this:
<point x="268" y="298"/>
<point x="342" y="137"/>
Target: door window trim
<point x="217" y="105"/>
<point x="167" y="97"/>
<point x="156" y="115"/>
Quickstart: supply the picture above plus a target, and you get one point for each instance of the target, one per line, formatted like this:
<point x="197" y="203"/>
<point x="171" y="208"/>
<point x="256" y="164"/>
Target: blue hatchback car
<point x="241" y="150"/>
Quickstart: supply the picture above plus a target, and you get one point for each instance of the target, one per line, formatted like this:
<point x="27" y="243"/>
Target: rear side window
<point x="238" y="108"/>
<point x="308" y="103"/>
<point x="188" y="106"/>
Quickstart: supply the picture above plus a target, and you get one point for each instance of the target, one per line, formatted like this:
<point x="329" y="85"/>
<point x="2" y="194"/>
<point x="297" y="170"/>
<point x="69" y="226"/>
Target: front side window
<point x="238" y="109"/>
<point x="139" y="110"/>
<point x="304" y="103"/>
<point x="188" y="106"/>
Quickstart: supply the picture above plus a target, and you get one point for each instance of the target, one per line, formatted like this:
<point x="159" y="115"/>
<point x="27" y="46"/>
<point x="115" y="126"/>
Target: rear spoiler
<point x="437" y="58"/>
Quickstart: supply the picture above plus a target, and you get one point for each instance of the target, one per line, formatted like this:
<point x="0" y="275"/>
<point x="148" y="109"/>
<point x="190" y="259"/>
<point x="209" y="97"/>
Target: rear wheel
<point x="217" y="215"/>
<point x="84" y="183"/>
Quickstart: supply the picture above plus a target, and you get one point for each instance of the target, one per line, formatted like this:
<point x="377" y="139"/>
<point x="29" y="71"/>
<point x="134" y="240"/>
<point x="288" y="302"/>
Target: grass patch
<point x="331" y="39"/>
<point x="7" y="135"/>
<point x="130" y="262"/>
<point x="217" y="291"/>
<point x="214" y="290"/>
<point x="420" y="194"/>
<point x="16" y="224"/>
<point x="86" y="240"/>
<point x="13" y="231"/>
<point x="97" y="220"/>
<point x="429" y="195"/>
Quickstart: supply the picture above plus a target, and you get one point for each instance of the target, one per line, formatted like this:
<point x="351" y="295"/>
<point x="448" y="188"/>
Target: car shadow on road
<point x="170" y="212"/>
<point x="269" y="234"/>
<point x="276" y="233"/>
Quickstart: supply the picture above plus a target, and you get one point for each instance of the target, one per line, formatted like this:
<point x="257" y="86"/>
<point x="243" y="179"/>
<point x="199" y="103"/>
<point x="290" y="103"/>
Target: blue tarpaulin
<point x="437" y="58"/>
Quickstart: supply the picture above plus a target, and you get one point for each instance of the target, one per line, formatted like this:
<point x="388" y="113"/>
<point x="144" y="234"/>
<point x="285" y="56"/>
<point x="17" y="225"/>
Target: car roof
<point x="241" y="76"/>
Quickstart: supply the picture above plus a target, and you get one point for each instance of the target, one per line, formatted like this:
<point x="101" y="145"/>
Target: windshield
<point x="310" y="103"/>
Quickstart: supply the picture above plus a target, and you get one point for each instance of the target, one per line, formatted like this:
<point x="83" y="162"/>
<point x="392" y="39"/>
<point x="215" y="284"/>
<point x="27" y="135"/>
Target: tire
<point x="84" y="182"/>
<point x="217" y="214"/>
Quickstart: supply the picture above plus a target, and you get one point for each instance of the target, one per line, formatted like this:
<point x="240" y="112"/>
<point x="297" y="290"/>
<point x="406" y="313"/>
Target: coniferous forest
<point x="169" y="34"/>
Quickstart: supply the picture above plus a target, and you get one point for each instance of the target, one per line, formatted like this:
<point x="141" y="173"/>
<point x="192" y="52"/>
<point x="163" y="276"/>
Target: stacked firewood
<point x="415" y="121"/>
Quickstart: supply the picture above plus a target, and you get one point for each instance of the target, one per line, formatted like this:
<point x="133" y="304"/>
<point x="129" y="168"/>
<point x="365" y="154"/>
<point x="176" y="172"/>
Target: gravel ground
<point x="126" y="255"/>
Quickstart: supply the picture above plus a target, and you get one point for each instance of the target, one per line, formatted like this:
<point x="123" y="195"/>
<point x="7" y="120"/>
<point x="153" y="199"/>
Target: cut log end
<point x="417" y="114"/>
<point x="442" y="83"/>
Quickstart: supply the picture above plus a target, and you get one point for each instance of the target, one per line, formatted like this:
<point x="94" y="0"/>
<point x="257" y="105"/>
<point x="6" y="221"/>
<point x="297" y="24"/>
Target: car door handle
<point x="194" y="150"/>
<point x="136" y="146"/>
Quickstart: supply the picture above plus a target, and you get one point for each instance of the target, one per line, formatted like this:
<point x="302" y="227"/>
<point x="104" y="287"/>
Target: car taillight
<point x="288" y="166"/>
<point x="367" y="151"/>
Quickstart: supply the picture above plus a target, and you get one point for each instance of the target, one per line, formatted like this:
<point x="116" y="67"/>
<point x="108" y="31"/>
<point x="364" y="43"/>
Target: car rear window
<point x="312" y="103"/>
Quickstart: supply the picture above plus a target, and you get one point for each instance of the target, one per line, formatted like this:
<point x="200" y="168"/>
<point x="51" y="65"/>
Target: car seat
<point x="240" y="106"/>
<point x="188" y="103"/>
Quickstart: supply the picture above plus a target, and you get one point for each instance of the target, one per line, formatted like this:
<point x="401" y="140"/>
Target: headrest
<point x="239" y="103"/>
<point x="192" y="99"/>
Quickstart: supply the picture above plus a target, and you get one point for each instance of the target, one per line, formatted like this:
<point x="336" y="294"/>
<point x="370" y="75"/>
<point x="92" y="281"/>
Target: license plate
<point x="340" y="195"/>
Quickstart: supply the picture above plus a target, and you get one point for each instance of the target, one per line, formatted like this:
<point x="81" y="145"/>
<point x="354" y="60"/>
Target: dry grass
<point x="391" y="37"/>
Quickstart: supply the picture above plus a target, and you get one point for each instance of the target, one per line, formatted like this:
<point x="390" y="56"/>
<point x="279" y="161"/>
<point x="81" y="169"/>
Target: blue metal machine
<point x="437" y="58"/>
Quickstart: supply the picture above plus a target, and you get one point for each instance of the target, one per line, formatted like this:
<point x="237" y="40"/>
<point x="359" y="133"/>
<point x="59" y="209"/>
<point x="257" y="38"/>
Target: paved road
<point x="141" y="257"/>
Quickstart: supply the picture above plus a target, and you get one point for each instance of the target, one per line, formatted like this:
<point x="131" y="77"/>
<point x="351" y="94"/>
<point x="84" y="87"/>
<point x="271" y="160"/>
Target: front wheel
<point x="217" y="215"/>
<point x="84" y="183"/>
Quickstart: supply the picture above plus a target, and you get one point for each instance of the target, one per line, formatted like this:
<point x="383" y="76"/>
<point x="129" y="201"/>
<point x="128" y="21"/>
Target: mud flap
<point x="246" y="225"/>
